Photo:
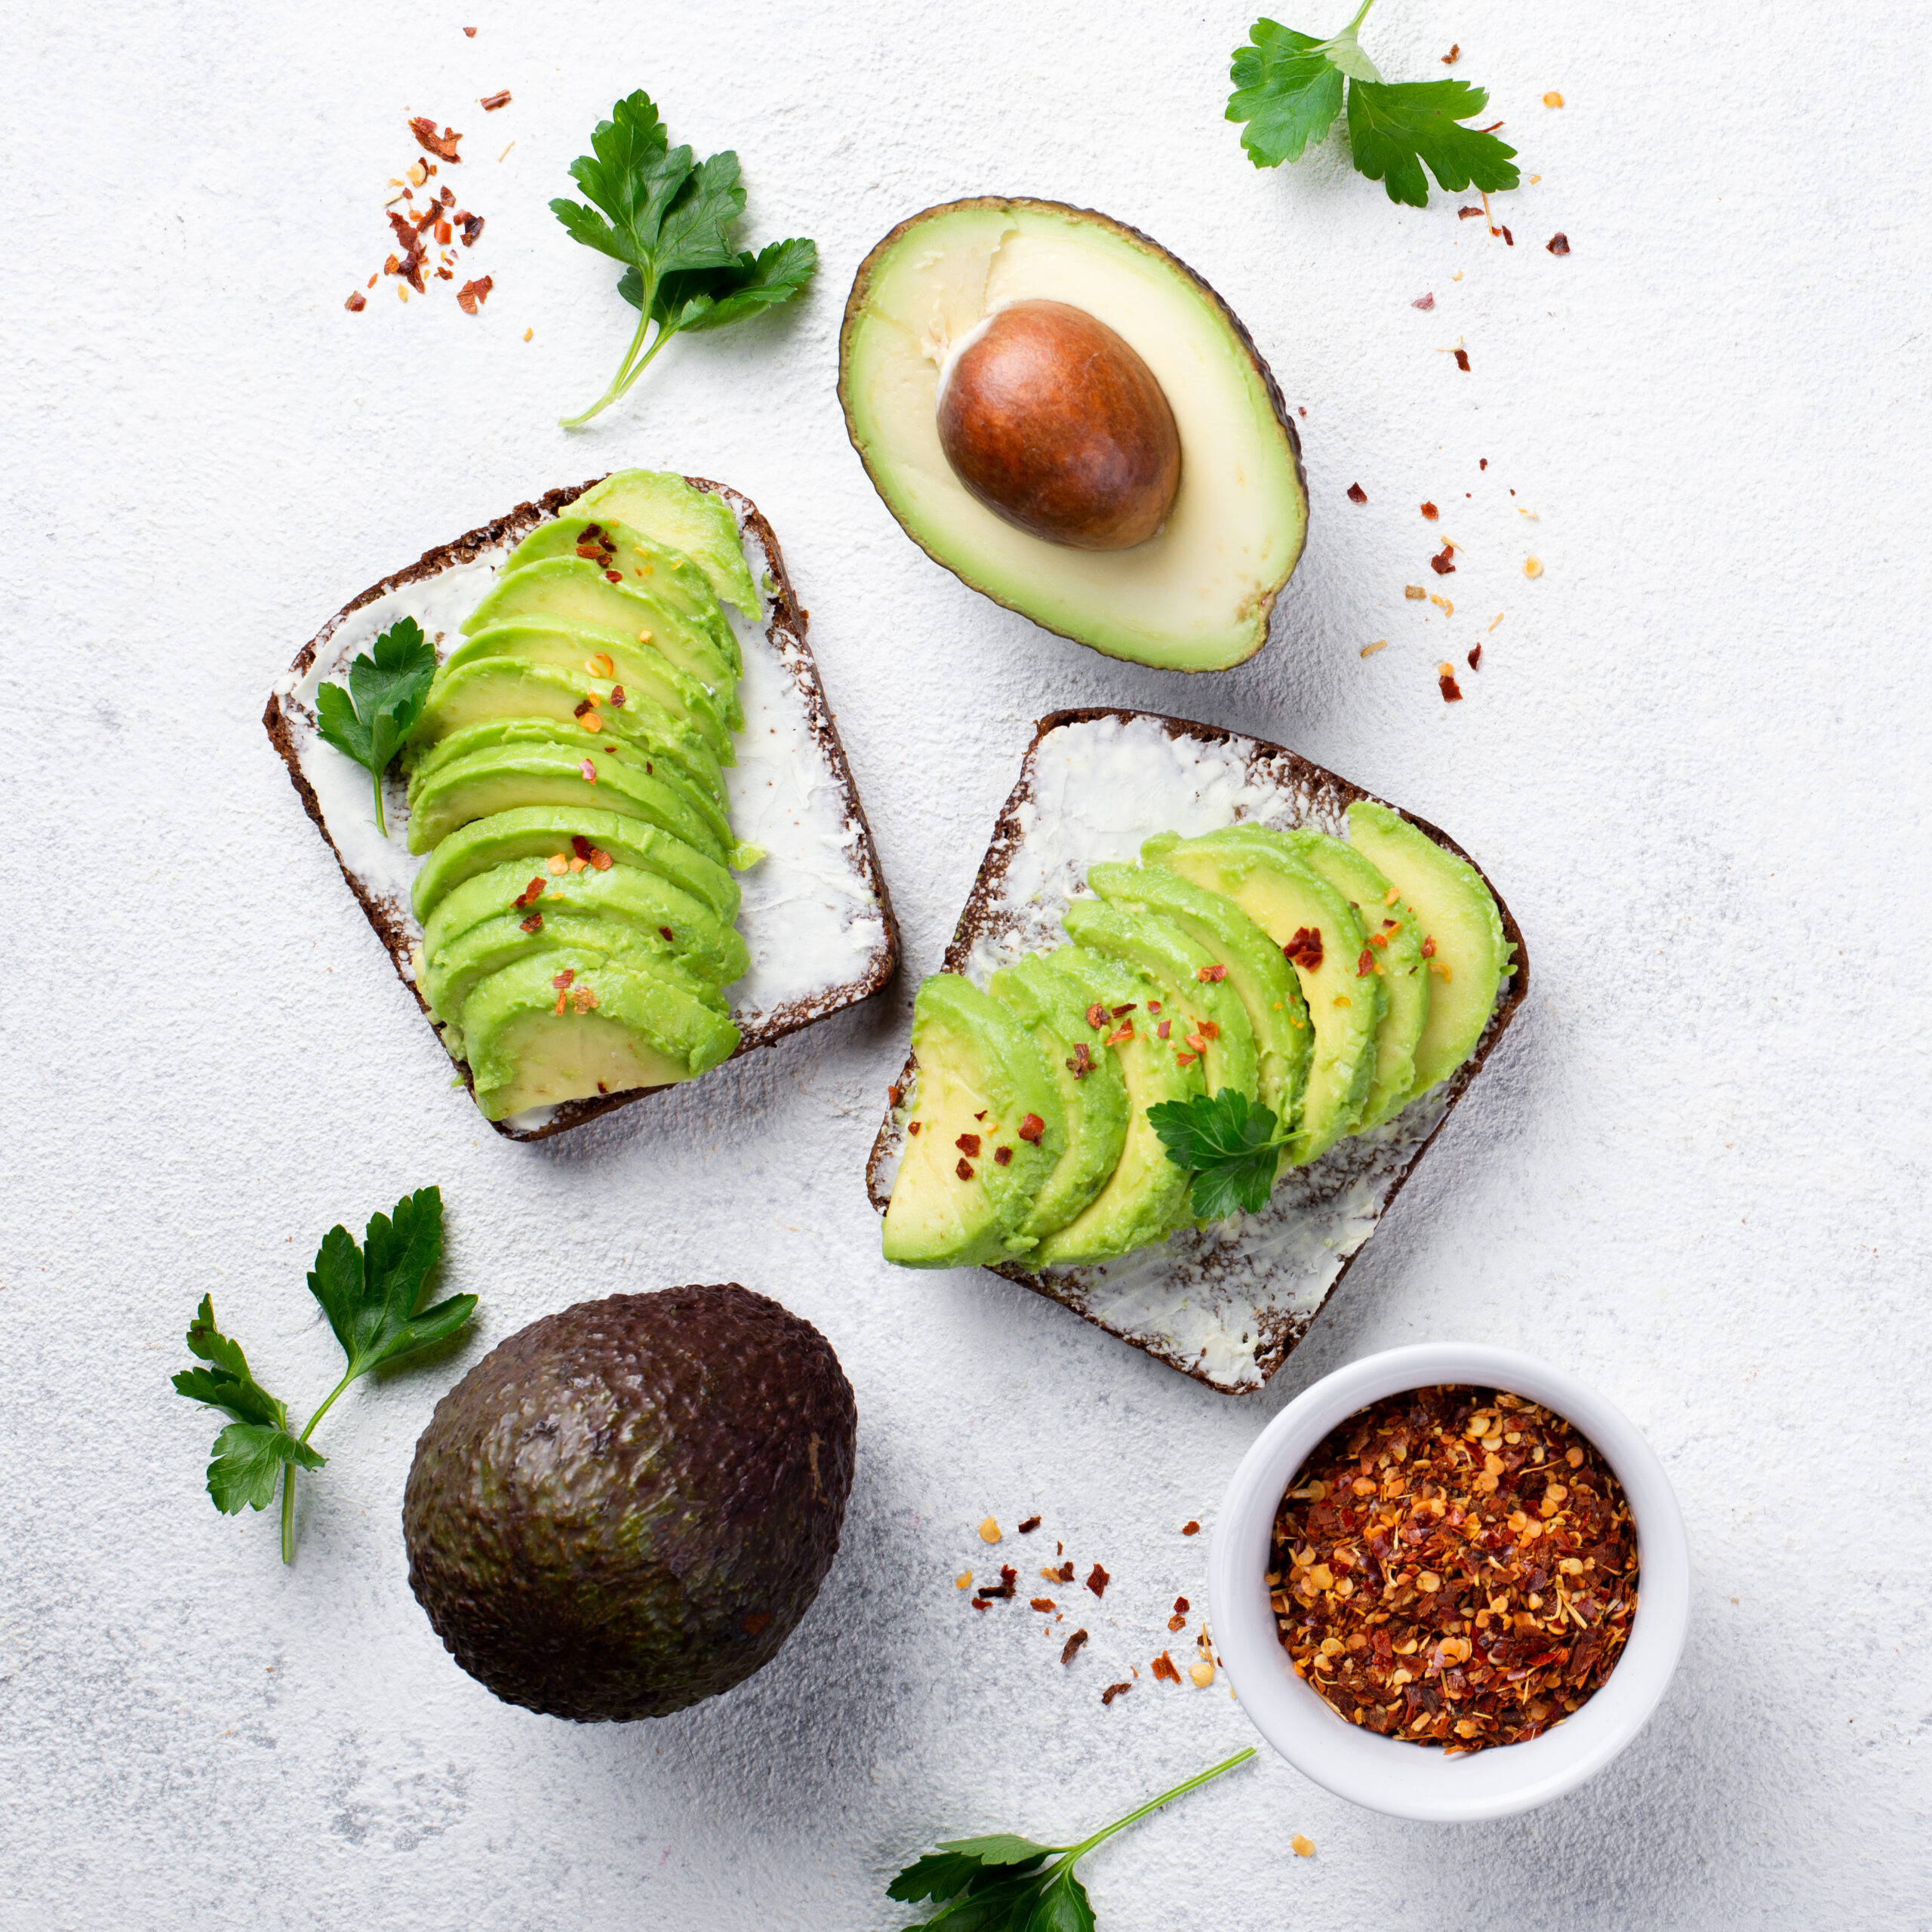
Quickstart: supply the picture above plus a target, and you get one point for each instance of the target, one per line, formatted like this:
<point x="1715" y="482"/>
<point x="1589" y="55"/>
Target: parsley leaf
<point x="1232" y="1145"/>
<point x="670" y="219"/>
<point x="1288" y="91"/>
<point x="1003" y="1884"/>
<point x="369" y="1295"/>
<point x="370" y="721"/>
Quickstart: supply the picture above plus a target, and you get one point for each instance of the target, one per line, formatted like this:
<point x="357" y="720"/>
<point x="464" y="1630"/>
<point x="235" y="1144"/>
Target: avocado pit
<point x="1051" y="420"/>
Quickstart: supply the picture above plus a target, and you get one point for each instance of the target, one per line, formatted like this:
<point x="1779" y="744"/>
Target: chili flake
<point x="491" y="102"/>
<point x="1445" y="677"/>
<point x="1475" y="656"/>
<point x="967" y="1143"/>
<point x="1430" y="511"/>
<point x="1032" y="1524"/>
<point x="534" y="923"/>
<point x="1073" y="1643"/>
<point x="1098" y="1580"/>
<point x="1305" y="949"/>
<point x="1163" y="1668"/>
<point x="1463" y="360"/>
<point x="442" y="146"/>
<point x="1031" y="1128"/>
<point x="1435" y="1581"/>
<point x="1002" y="1157"/>
<point x="964" y="1169"/>
<point x="1211" y="975"/>
<point x="1559" y="243"/>
<point x="1190" y="1529"/>
<point x="1121" y="1034"/>
<point x="987" y="1592"/>
<point x="1365" y="965"/>
<point x="472" y="293"/>
<point x="1114" y="1690"/>
<point x="1444" y="562"/>
<point x="1357" y="494"/>
<point x="1081" y="1064"/>
<point x="533" y="891"/>
<point x="1096" y="1015"/>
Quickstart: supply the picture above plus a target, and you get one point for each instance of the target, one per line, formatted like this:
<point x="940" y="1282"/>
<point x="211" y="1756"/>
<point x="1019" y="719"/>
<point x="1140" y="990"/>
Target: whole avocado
<point x="627" y="1506"/>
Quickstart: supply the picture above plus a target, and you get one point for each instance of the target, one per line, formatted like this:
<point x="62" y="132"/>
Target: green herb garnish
<point x="386" y="693"/>
<point x="1230" y="1142"/>
<point x="1288" y="88"/>
<point x="369" y="1295"/>
<point x="670" y="219"/>
<point x="1004" y="1883"/>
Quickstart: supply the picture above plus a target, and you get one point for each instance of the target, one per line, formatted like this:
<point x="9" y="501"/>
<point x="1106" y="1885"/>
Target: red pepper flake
<point x="1120" y="1012"/>
<point x="1097" y="1581"/>
<point x="1040" y="1604"/>
<point x="1180" y="1606"/>
<point x="1121" y="1034"/>
<point x="1032" y="1524"/>
<point x="1444" y="562"/>
<point x="445" y="233"/>
<point x="1208" y="1030"/>
<point x="991" y="1592"/>
<point x="671" y="939"/>
<point x="1463" y="360"/>
<point x="1190" y="1529"/>
<point x="1357" y="494"/>
<point x="963" y="1171"/>
<point x="1559" y="243"/>
<point x="912" y="1127"/>
<point x="1454" y="1566"/>
<point x="968" y="1143"/>
<point x="979" y="1603"/>
<point x="600" y="861"/>
<point x="583" y="998"/>
<point x="1211" y="975"/>
<point x="601" y="1088"/>
<point x="472" y="225"/>
<point x="1467" y="215"/>
<point x="1031" y="1128"/>
<point x="530" y="894"/>
<point x="1475" y="656"/>
<point x="357" y="302"/>
<point x="1164" y="1669"/>
<point x="589" y="772"/>
<point x="1153" y="1006"/>
<point x="1186" y="1060"/>
<point x="1428" y="949"/>
<point x="1482" y="463"/>
<point x="1081" y="1064"/>
<point x="1114" y="1690"/>
<point x="563" y="978"/>
<point x="580" y="845"/>
<point x="491" y="102"/>
<point x="472" y="294"/>
<point x="469" y="33"/>
<point x="1431" y="512"/>
<point x="1305" y="949"/>
<point x="618" y="697"/>
<point x="1072" y="1649"/>
<point x="616" y="576"/>
<point x="442" y="146"/>
<point x="1452" y="692"/>
<point x="1423" y="302"/>
<point x="1097" y="1016"/>
<point x="1065" y="1572"/>
<point x="1166" y="1027"/>
<point x="585" y="704"/>
<point x="1509" y="240"/>
<point x="1365" y="965"/>
<point x="1454" y="54"/>
<point x="892" y="1096"/>
<point x="534" y="923"/>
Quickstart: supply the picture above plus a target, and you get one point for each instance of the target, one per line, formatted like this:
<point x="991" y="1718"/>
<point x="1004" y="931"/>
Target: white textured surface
<point x="1693" y="760"/>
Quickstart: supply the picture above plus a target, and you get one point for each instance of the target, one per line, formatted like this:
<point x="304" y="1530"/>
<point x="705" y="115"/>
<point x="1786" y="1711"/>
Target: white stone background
<point x="1694" y="761"/>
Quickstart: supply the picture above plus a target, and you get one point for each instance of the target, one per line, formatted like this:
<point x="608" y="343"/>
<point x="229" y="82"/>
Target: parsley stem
<point x="288" y="1468"/>
<point x="1360" y="16"/>
<point x="382" y="830"/>
<point x="632" y="366"/>
<point x="1166" y="1797"/>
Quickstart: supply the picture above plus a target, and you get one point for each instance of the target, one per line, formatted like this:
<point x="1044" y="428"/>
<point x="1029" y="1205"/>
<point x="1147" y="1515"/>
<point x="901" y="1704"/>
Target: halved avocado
<point x="957" y="1203"/>
<point x="546" y="832"/>
<point x="1146" y="1197"/>
<point x="542" y="772"/>
<point x="1195" y="596"/>
<point x="1091" y="1088"/>
<point x="640" y="671"/>
<point x="569" y="590"/>
<point x="1159" y="948"/>
<point x="1396" y="940"/>
<point x="643" y="1030"/>
<point x="1264" y="981"/>
<point x="1468" y="956"/>
<point x="1256" y="870"/>
<point x="666" y="509"/>
<point x="675" y="923"/>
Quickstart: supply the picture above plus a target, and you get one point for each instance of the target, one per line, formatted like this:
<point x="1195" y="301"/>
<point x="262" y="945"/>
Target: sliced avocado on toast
<point x="985" y="1127"/>
<point x="1466" y="955"/>
<point x="698" y="523"/>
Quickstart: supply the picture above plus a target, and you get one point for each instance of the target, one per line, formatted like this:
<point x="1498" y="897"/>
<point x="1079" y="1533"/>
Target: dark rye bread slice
<point x="290" y="726"/>
<point x="1227" y="1306"/>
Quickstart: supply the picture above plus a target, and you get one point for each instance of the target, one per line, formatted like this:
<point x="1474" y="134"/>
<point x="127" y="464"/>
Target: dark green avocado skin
<point x="628" y="1506"/>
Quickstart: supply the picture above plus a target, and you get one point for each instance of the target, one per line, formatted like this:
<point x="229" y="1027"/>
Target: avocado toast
<point x="692" y="871"/>
<point x="1136" y="810"/>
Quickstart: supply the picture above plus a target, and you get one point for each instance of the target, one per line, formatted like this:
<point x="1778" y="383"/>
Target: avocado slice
<point x="1468" y="956"/>
<point x="568" y="590"/>
<point x="1395" y="939"/>
<point x="646" y="1029"/>
<point x="543" y="772"/>
<point x="1261" y="979"/>
<point x="1255" y="869"/>
<point x="640" y="671"/>
<point x="1174" y="962"/>
<point x="1195" y="596"/>
<point x="664" y="507"/>
<point x="956" y="1203"/>
<point x="1091" y="1090"/>
<point x="1146" y="1197"/>
<point x="610" y="544"/>
<point x="546" y="832"/>
<point x="486" y="917"/>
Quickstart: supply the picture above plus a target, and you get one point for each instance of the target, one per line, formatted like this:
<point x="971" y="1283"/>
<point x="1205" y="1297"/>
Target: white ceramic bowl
<point x="1416" y="1781"/>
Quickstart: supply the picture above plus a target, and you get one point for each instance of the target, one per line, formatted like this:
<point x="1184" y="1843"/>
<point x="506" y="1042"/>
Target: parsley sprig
<point x="669" y="218"/>
<point x="1004" y="1883"/>
<point x="1231" y="1144"/>
<point x="369" y="1295"/>
<point x="1288" y="89"/>
<point x="386" y="693"/>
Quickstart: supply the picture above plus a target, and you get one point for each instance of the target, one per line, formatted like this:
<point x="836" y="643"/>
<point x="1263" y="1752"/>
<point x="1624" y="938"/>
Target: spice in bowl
<point x="1454" y="1566"/>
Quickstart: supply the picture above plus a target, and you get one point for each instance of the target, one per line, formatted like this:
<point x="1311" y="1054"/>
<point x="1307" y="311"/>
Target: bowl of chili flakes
<point x="1386" y="1601"/>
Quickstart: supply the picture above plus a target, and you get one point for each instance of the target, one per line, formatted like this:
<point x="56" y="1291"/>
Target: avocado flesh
<point x="639" y="670"/>
<point x="1261" y="979"/>
<point x="503" y="691"/>
<point x="627" y="1506"/>
<point x="646" y="1030"/>
<point x="980" y="1073"/>
<point x="640" y="562"/>
<point x="1281" y="896"/>
<point x="1459" y="913"/>
<point x="1195" y="596"/>
<point x="697" y="522"/>
<point x="1095" y="1100"/>
<point x="540" y="832"/>
<point x="481" y="920"/>
<point x="568" y="590"/>
<point x="542" y="773"/>
<point x="1146" y="1197"/>
<point x="1395" y="941"/>
<point x="1160" y="950"/>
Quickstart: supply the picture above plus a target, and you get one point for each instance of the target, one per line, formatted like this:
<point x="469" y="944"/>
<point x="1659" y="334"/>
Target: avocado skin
<point x="602" y="1505"/>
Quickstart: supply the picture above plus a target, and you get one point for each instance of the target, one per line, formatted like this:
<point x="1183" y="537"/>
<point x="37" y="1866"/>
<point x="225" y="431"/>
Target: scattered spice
<point x="1114" y="1690"/>
<point x="1509" y="240"/>
<point x="1043" y="1604"/>
<point x="1211" y="975"/>
<point x="1190" y="1529"/>
<point x="1415" y="592"/>
<point x="1444" y="562"/>
<point x="1357" y="494"/>
<point x="912" y="1127"/>
<point x="563" y="978"/>
<point x="964" y="1169"/>
<point x="1305" y="949"/>
<point x="357" y="302"/>
<point x="1370" y="649"/>
<point x="472" y="295"/>
<point x="442" y="146"/>
<point x="491" y="102"/>
<point x="1463" y="360"/>
<point x="1365" y="965"/>
<point x="1064" y="1574"/>
<point x="1202" y="1672"/>
<point x="1002" y="1157"/>
<point x="1097" y="1581"/>
<point x="1431" y="512"/>
<point x="1475" y="656"/>
<point x="1096" y="1015"/>
<point x="960" y="1582"/>
<point x="1435" y="1581"/>
<point x="1302" y="1845"/>
<point x="1532" y="567"/>
<point x="1031" y="1128"/>
<point x="469" y="33"/>
<point x="967" y="1143"/>
<point x="1445" y="677"/>
<point x="671" y="939"/>
<point x="1454" y="54"/>
<point x="1559" y="243"/>
<point x="988" y="1593"/>
<point x="534" y="923"/>
<point x="1031" y="1523"/>
<point x="1081" y="1064"/>
<point x="989" y="1531"/>
<point x="589" y="772"/>
<point x="1552" y="99"/>
<point x="1423" y="302"/>
<point x="1072" y="1648"/>
<point x="600" y="860"/>
<point x="1163" y="1670"/>
<point x="530" y="894"/>
<point x="1467" y="214"/>
<point x="618" y="697"/>
<point x="1443" y="604"/>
